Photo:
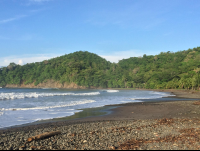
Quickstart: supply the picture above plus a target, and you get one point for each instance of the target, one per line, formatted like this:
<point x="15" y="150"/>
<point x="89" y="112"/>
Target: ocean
<point x="21" y="106"/>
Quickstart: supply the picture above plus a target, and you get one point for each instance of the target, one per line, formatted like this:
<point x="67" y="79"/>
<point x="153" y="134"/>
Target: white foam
<point x="153" y="97"/>
<point x="162" y="93"/>
<point x="0" y="87"/>
<point x="49" y="107"/>
<point x="111" y="91"/>
<point x="1" y="113"/>
<point x="144" y="98"/>
<point x="11" y="96"/>
<point x="21" y="120"/>
<point x="49" y="88"/>
<point x="131" y="101"/>
<point x="156" y="96"/>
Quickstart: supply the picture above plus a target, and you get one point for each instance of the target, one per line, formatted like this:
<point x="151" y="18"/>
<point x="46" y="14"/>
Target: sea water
<point x="22" y="106"/>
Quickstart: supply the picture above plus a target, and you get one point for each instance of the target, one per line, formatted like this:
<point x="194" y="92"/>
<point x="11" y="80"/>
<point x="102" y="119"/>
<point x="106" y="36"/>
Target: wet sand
<point x="149" y="112"/>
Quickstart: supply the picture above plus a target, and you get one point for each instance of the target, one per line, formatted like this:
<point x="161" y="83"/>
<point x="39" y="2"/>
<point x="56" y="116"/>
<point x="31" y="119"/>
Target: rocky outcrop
<point x="47" y="84"/>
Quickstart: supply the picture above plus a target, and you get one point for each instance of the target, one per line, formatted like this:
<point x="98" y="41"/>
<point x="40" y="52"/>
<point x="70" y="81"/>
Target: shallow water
<point x="21" y="106"/>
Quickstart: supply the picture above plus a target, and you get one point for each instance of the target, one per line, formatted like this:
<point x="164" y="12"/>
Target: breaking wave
<point x="49" y="88"/>
<point x="162" y="94"/>
<point x="50" y="107"/>
<point x="154" y="95"/>
<point x="110" y="91"/>
<point x="8" y="96"/>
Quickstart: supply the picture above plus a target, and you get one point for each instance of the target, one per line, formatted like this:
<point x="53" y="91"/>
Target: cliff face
<point x="48" y="84"/>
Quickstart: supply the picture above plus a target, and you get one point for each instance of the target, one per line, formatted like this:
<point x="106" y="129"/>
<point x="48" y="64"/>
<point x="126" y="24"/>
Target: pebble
<point x="109" y="135"/>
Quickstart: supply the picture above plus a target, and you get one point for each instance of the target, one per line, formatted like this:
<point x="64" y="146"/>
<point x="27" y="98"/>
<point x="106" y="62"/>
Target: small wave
<point x="21" y="120"/>
<point x="49" y="88"/>
<point x="159" y="95"/>
<point x="8" y="96"/>
<point x="162" y="94"/>
<point x="131" y="102"/>
<point x="149" y="97"/>
<point x="49" y="107"/>
<point x="0" y="87"/>
<point x="1" y="113"/>
<point x="110" y="91"/>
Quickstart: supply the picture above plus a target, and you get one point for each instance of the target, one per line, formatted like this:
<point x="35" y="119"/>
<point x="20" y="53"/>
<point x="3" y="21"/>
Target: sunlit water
<point x="21" y="106"/>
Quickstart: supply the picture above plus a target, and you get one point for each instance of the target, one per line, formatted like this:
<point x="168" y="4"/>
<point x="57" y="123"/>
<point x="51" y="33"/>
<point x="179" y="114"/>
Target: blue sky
<point x="35" y="30"/>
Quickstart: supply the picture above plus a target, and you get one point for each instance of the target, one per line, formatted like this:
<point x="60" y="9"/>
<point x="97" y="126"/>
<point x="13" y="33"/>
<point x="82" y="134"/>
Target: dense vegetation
<point x="166" y="70"/>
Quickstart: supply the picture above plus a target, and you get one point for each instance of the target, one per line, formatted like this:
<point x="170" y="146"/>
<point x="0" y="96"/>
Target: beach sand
<point x="143" y="125"/>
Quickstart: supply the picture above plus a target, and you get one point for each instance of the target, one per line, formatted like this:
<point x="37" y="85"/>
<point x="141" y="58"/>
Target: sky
<point x="37" y="30"/>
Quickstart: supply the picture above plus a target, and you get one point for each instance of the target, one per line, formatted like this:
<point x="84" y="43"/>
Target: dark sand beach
<point x="149" y="125"/>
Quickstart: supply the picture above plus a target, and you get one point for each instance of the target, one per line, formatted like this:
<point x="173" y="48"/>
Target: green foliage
<point x="165" y="70"/>
<point x="84" y="68"/>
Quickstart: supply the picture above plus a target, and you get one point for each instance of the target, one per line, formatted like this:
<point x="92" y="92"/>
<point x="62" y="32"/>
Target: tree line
<point x="167" y="70"/>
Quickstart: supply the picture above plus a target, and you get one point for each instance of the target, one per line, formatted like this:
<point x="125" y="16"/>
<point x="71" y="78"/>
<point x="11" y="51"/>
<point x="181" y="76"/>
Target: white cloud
<point x="116" y="56"/>
<point x="30" y="12"/>
<point x="5" y="61"/>
<point x="20" y="62"/>
<point x="112" y="57"/>
<point x="12" y="19"/>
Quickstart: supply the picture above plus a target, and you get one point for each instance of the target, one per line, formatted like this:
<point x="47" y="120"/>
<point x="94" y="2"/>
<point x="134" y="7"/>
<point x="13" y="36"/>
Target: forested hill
<point x="166" y="70"/>
<point x="83" y="68"/>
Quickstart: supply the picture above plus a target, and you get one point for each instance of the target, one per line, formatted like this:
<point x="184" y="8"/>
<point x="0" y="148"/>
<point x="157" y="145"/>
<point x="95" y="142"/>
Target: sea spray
<point x="12" y="96"/>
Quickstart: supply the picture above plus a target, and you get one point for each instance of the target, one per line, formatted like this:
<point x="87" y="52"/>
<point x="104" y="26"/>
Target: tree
<point x="11" y="66"/>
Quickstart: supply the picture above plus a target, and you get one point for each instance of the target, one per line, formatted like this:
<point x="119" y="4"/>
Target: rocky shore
<point x="152" y="125"/>
<point x="159" y="134"/>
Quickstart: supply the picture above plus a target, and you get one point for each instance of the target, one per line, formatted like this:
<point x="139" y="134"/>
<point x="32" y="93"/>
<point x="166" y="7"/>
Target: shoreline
<point x="184" y="114"/>
<point x="109" y="112"/>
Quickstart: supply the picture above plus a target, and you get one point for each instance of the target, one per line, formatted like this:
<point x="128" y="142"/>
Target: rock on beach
<point x="162" y="126"/>
<point x="111" y="135"/>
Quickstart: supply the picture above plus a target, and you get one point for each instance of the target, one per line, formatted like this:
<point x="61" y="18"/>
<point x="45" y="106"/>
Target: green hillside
<point x="166" y="70"/>
<point x="83" y="68"/>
